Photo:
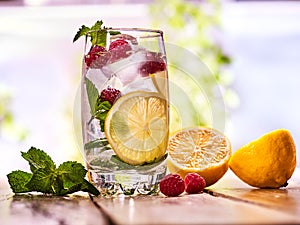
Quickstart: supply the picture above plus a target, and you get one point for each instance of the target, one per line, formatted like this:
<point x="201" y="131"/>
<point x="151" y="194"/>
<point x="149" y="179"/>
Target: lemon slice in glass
<point x="160" y="81"/>
<point x="137" y="127"/>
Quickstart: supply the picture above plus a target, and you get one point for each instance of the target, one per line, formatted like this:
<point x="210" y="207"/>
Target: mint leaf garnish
<point x="42" y="181"/>
<point x="88" y="187"/>
<point x="102" y="109"/>
<point x="18" y="179"/>
<point x="71" y="173"/>
<point x="83" y="30"/>
<point x="98" y="108"/>
<point x="93" y="95"/>
<point x="97" y="33"/>
<point x="38" y="159"/>
<point x="46" y="178"/>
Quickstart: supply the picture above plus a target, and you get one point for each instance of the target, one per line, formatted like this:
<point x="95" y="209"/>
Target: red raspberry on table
<point x="154" y="64"/>
<point x="119" y="49"/>
<point x="172" y="185"/>
<point x="194" y="183"/>
<point x="110" y="94"/>
<point x="97" y="57"/>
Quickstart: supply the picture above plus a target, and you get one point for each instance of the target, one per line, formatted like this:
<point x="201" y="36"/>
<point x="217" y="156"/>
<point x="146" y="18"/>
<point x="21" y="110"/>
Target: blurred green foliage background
<point x="196" y="26"/>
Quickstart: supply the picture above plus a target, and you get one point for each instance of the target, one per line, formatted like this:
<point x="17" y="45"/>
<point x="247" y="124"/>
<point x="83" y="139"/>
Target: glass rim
<point x="146" y="30"/>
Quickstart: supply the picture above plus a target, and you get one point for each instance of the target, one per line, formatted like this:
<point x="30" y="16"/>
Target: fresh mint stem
<point x="89" y="122"/>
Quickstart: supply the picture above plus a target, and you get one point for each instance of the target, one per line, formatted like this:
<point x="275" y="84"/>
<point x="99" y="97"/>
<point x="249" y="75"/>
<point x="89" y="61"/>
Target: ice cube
<point x="97" y="77"/>
<point x="113" y="82"/>
<point x="143" y="84"/>
<point x="126" y="69"/>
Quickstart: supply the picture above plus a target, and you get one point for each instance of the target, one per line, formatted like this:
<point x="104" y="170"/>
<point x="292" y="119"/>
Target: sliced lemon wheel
<point x="137" y="127"/>
<point x="160" y="81"/>
<point x="201" y="150"/>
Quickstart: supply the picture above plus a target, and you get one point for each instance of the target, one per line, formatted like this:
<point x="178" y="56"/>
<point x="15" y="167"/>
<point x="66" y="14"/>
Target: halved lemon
<point x="137" y="127"/>
<point x="201" y="150"/>
<point x="267" y="162"/>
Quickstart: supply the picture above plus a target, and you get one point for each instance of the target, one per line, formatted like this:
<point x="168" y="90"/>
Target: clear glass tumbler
<point x="125" y="111"/>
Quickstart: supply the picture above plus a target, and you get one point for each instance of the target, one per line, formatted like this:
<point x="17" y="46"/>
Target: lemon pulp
<point x="201" y="150"/>
<point x="137" y="127"/>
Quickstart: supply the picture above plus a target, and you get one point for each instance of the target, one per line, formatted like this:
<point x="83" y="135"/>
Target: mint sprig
<point x="97" y="33"/>
<point x="98" y="108"/>
<point x="46" y="178"/>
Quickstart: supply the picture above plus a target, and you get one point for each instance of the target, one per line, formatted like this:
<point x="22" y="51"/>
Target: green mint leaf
<point x="98" y="34"/>
<point x="42" y="181"/>
<point x="97" y="26"/>
<point x="102" y="109"/>
<point x="88" y="187"/>
<point x="83" y="186"/>
<point x="71" y="172"/>
<point x="92" y="94"/>
<point x="102" y="106"/>
<point x="46" y="178"/>
<point x="38" y="159"/>
<point x="102" y="125"/>
<point x="99" y="37"/>
<point x="101" y="142"/>
<point x="72" y="175"/>
<point x="58" y="185"/>
<point x="83" y="30"/>
<point x="18" y="180"/>
<point x="70" y="190"/>
<point x="112" y="32"/>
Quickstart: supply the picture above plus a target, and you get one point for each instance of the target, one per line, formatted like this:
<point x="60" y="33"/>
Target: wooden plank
<point x="36" y="209"/>
<point x="49" y="210"/>
<point x="284" y="199"/>
<point x="230" y="202"/>
<point x="189" y="209"/>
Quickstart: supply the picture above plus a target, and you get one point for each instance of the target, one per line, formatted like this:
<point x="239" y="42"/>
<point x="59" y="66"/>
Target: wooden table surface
<point x="229" y="201"/>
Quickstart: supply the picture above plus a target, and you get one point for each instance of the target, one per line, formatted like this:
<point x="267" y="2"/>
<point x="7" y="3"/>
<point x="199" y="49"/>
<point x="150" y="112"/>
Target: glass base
<point x="128" y="182"/>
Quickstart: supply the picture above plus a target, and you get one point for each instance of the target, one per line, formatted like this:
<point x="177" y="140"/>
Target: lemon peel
<point x="267" y="162"/>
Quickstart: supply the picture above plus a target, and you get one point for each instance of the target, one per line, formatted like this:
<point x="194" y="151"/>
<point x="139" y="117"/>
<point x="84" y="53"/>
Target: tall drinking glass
<point x="125" y="111"/>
